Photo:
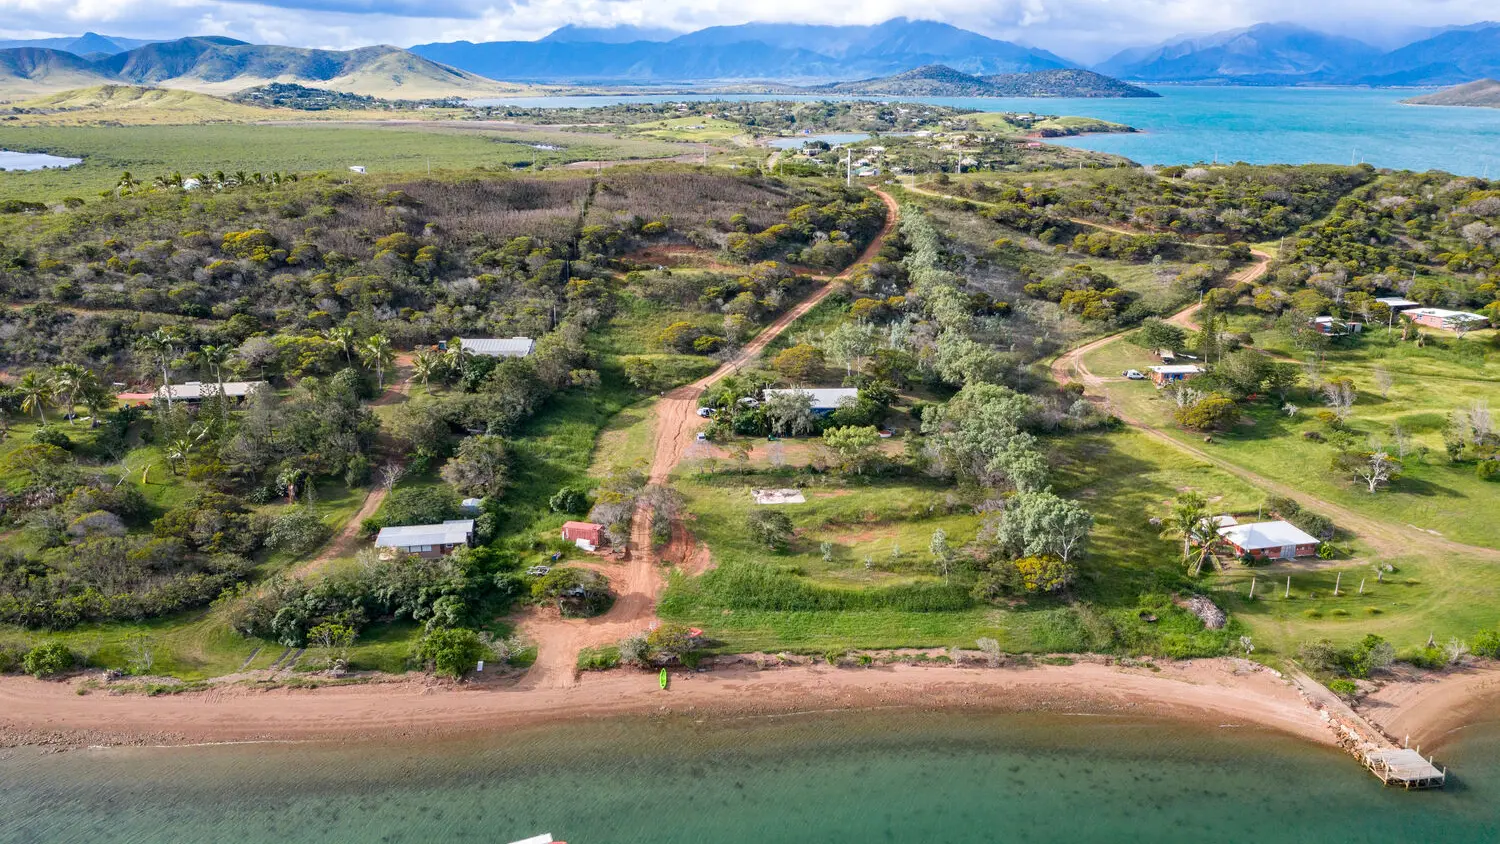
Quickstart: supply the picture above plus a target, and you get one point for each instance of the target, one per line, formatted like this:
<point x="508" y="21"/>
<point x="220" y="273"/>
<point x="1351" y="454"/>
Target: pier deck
<point x="1405" y="768"/>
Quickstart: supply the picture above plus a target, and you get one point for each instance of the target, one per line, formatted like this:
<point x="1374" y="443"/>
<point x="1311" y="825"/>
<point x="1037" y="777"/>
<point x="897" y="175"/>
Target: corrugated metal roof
<point x="452" y="532"/>
<point x="1263" y="535"/>
<point x="1178" y="369"/>
<point x="504" y="347"/>
<point x="823" y="398"/>
<point x="193" y="390"/>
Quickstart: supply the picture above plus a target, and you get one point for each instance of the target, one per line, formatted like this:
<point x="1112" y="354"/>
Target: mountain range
<point x="219" y="65"/>
<point x="1286" y="54"/>
<point x="761" y="51"/>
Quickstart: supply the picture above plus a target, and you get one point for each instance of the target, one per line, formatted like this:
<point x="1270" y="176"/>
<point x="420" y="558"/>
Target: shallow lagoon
<point x="894" y="776"/>
<point x="33" y="160"/>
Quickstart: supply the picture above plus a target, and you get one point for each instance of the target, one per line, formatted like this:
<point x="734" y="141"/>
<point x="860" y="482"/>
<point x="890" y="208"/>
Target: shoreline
<point x="1225" y="692"/>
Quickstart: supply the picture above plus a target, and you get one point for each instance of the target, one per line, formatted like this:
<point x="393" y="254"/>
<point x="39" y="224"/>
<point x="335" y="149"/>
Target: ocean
<point x="1224" y="123"/>
<point x="829" y="778"/>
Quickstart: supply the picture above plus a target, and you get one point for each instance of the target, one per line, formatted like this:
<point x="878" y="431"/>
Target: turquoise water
<point x="829" y="778"/>
<point x="1258" y="125"/>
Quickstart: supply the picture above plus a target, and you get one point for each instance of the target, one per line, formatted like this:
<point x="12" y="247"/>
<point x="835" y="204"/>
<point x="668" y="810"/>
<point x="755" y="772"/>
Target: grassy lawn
<point x="627" y="441"/>
<point x="148" y="151"/>
<point x="1432" y="494"/>
<point x="694" y="129"/>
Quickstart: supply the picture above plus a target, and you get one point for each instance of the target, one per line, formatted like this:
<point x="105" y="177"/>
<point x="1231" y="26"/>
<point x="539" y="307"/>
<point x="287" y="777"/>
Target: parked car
<point x="1134" y="374"/>
<point x="702" y="437"/>
<point x="538" y="571"/>
<point x="705" y="412"/>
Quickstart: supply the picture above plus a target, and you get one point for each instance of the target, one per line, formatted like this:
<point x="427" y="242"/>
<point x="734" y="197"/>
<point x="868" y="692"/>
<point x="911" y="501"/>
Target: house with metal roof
<point x="824" y="399"/>
<point x="1397" y="303"/>
<point x="428" y="540"/>
<point x="193" y="392"/>
<point x="1270" y="540"/>
<point x="1160" y="375"/>
<point x="502" y="347"/>
<point x="1446" y="319"/>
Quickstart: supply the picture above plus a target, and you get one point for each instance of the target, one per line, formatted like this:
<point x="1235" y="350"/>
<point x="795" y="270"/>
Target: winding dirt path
<point x="348" y="540"/>
<point x="638" y="582"/>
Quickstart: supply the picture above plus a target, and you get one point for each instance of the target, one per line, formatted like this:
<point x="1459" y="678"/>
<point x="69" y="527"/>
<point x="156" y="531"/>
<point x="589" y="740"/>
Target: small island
<point x="942" y="81"/>
<point x="1482" y="93"/>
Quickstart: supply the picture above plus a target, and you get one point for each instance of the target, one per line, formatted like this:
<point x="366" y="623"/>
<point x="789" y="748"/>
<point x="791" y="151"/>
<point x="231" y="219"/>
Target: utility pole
<point x="848" y="167"/>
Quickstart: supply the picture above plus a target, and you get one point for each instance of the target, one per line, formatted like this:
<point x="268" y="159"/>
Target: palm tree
<point x="127" y="183"/>
<point x="161" y="344"/>
<point x="376" y="352"/>
<point x="425" y="364"/>
<point x="97" y="399"/>
<point x="1190" y="521"/>
<point x="214" y="357"/>
<point x="457" y="354"/>
<point x="37" y="391"/>
<point x="342" y="337"/>
<point x="70" y="380"/>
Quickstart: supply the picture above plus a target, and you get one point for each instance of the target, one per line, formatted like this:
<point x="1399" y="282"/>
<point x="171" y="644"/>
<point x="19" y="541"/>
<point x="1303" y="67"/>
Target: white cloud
<point x="1083" y="29"/>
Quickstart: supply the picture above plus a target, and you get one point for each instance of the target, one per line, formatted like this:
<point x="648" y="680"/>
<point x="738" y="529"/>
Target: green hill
<point x="943" y="81"/>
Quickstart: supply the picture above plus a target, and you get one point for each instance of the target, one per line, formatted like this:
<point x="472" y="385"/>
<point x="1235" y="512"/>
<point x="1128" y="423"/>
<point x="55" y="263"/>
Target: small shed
<point x="1398" y="303"/>
<point x="1334" y="327"/>
<point x="498" y="347"/>
<point x="1161" y="375"/>
<point x="585" y="535"/>
<point x="1270" y="540"/>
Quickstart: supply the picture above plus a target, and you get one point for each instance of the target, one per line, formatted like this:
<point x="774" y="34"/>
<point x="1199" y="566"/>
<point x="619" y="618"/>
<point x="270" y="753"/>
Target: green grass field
<point x="148" y="151"/>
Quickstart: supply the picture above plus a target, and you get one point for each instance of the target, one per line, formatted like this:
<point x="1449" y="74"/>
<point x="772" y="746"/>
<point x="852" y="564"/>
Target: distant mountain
<point x="86" y="44"/>
<point x="1452" y="58"/>
<point x="1265" y="52"/>
<point x="30" y="71"/>
<point x="224" y="65"/>
<point x="750" y="51"/>
<point x="1484" y="92"/>
<point x="623" y="34"/>
<point x="944" y="81"/>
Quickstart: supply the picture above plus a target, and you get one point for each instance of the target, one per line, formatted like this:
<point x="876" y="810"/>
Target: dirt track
<point x="638" y="581"/>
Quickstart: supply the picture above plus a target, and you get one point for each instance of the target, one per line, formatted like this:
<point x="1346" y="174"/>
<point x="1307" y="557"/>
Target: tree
<point x="1376" y="470"/>
<point x="36" y="392"/>
<point x="1281" y="377"/>
<point x="942" y="554"/>
<point x="341" y="337"/>
<point x="376" y="353"/>
<point x="161" y="345"/>
<point x="569" y="500"/>
<point x="1044" y="573"/>
<point x="1339" y="395"/>
<point x="578" y="593"/>
<point x="801" y="363"/>
<point x="1156" y="333"/>
<point x="1244" y="371"/>
<point x="642" y="373"/>
<point x="425" y="364"/>
<point x="1040" y="523"/>
<point x="141" y="649"/>
<point x="854" y="445"/>
<point x="297" y="530"/>
<point x="480" y="468"/>
<point x="848" y="343"/>
<point x="1383" y="380"/>
<point x="214" y="357"/>
<point x="69" y="381"/>
<point x="334" y="640"/>
<point x="770" y="528"/>
<point x="1191" y="521"/>
<point x="453" y="652"/>
<point x="790" y="413"/>
<point x="979" y="433"/>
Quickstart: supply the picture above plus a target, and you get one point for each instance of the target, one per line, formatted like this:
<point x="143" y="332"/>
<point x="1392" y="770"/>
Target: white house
<point x="505" y="347"/>
<point x="427" y="540"/>
<point x="1446" y="319"/>
<point x="196" y="391"/>
<point x="1270" y="540"/>
<point x="824" y="399"/>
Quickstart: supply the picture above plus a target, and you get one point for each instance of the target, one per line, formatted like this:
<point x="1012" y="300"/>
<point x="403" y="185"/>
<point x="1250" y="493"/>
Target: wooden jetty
<point x="1394" y="766"/>
<point x="1406" y="768"/>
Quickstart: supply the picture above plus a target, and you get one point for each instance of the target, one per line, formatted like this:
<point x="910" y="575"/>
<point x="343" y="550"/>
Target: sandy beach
<point x="1220" y="692"/>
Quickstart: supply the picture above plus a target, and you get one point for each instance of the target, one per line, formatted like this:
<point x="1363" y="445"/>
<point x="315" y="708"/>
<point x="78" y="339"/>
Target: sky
<point x="1084" y="30"/>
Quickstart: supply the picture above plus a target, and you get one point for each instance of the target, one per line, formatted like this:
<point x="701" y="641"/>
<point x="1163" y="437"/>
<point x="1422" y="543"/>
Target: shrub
<point x="1488" y="470"/>
<point x="423" y="505"/>
<point x="1487" y="644"/>
<point x="569" y="500"/>
<point x="453" y="652"/>
<point x="48" y="659"/>
<point x="599" y="659"/>
<point x="48" y="435"/>
<point x="771" y="528"/>
<point x="579" y="593"/>
<point x="297" y="530"/>
<point x="1343" y="688"/>
<point x="1213" y="412"/>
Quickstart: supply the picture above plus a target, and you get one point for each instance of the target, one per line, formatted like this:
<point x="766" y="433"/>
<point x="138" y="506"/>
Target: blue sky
<point x="1081" y="29"/>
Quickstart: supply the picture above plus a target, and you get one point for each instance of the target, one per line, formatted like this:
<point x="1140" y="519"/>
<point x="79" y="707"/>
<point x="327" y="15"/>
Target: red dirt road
<point x="638" y="581"/>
